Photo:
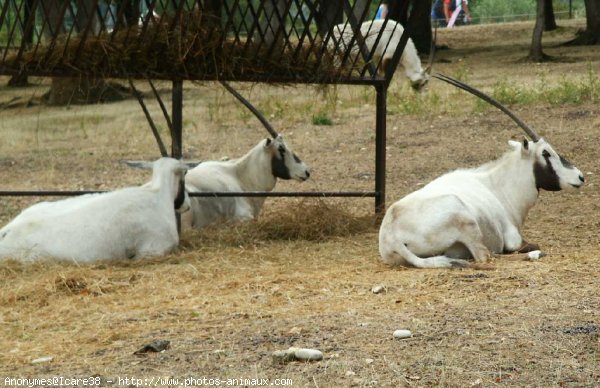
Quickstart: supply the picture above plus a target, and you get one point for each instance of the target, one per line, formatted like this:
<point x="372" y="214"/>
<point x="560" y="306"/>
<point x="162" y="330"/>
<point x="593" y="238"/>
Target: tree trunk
<point x="398" y="10"/>
<point x="360" y="8"/>
<point x="591" y="35"/>
<point x="419" y="24"/>
<point x="67" y="90"/>
<point x="549" y="19"/>
<point x="272" y="24"/>
<point x="419" y="21"/>
<point x="328" y="14"/>
<point x="535" y="53"/>
<point x="21" y="79"/>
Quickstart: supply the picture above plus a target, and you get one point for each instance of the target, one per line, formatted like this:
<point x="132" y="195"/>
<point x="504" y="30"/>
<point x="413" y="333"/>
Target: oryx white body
<point x="127" y="223"/>
<point x="386" y="47"/>
<point x="258" y="170"/>
<point x="471" y="213"/>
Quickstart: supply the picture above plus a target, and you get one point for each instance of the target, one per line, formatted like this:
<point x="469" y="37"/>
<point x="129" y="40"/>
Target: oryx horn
<point x="530" y="132"/>
<point x="432" y="51"/>
<point x="248" y="105"/>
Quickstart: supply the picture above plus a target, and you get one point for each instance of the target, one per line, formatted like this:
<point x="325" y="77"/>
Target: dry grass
<point x="306" y="220"/>
<point x="302" y="274"/>
<point x="191" y="49"/>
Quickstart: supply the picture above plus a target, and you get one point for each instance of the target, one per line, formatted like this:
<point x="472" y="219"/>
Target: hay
<point x="190" y="49"/>
<point x="307" y="220"/>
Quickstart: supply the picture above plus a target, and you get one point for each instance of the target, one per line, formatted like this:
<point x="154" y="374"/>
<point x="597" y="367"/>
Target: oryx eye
<point x="545" y="154"/>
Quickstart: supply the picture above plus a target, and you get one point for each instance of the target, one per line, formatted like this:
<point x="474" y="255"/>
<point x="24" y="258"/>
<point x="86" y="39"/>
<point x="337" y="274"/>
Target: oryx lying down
<point x="472" y="213"/>
<point x="387" y="36"/>
<point x="127" y="223"/>
<point x="258" y="170"/>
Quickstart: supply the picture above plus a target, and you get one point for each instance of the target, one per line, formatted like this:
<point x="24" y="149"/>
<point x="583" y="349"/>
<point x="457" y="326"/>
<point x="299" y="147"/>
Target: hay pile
<point x="194" y="48"/>
<point x="306" y="220"/>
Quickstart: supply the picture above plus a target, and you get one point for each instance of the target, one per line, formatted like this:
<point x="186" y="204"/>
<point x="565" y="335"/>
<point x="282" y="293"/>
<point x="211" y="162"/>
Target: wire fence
<point x="575" y="14"/>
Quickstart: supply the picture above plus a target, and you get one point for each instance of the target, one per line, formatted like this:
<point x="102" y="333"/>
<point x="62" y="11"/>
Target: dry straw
<point x="193" y="48"/>
<point x="306" y="220"/>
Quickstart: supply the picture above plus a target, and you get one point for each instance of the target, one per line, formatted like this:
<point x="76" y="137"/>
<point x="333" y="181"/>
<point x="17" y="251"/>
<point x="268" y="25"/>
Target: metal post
<point x="177" y="117"/>
<point x="177" y="130"/>
<point x="380" y="122"/>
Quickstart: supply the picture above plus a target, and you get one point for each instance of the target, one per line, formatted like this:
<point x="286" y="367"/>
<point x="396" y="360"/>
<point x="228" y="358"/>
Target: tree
<point x="415" y="15"/>
<point x="20" y="79"/>
<point x="77" y="90"/>
<point x="591" y="35"/>
<point x="549" y="19"/>
<point x="536" y="53"/>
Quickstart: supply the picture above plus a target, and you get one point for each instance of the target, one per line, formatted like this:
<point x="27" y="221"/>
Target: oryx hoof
<point x="528" y="247"/>
<point x="456" y="263"/>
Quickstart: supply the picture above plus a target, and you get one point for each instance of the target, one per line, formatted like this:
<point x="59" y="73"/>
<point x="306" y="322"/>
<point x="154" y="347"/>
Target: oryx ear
<point x="141" y="164"/>
<point x="192" y="163"/>
<point x="520" y="146"/>
<point x="267" y="142"/>
<point x="514" y="144"/>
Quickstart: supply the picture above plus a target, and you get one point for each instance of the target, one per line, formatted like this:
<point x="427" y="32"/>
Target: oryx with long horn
<point x="473" y="213"/>
<point x="381" y="38"/>
<point x="258" y="170"/>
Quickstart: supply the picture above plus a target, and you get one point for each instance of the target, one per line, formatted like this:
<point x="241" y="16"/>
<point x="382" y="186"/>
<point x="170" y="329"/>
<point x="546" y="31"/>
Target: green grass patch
<point x="321" y="118"/>
<point x="567" y="91"/>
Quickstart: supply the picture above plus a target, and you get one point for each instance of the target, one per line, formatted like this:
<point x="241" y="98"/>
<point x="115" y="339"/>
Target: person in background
<point x="443" y="11"/>
<point x="382" y="11"/>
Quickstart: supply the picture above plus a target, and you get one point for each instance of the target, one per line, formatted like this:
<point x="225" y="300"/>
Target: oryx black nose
<point x="307" y="174"/>
<point x="581" y="178"/>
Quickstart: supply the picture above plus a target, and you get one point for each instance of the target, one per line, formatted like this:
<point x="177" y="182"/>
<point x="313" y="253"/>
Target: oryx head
<point x="552" y="171"/>
<point x="284" y="162"/>
<point x="167" y="165"/>
<point x="418" y="83"/>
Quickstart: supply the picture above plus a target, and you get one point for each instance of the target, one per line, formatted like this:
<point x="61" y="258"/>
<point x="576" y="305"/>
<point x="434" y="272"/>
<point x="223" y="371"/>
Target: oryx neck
<point x="253" y="170"/>
<point x="513" y="181"/>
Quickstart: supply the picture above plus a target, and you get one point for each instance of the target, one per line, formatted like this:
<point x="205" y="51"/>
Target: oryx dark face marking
<point x="180" y="198"/>
<point x="285" y="164"/>
<point x="545" y="175"/>
<point x="279" y="168"/>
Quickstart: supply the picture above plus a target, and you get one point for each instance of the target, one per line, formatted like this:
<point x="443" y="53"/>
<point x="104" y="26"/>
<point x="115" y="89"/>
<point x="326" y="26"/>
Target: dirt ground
<point x="231" y="296"/>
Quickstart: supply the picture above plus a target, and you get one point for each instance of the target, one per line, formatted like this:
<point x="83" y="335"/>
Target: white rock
<point x="402" y="334"/>
<point x="535" y="255"/>
<point x="42" y="360"/>
<point x="378" y="289"/>
<point x="369" y="360"/>
<point x="304" y="354"/>
<point x="283" y="356"/>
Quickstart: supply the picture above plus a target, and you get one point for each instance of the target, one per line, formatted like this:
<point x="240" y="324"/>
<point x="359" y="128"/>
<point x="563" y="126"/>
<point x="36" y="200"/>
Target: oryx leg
<point x="513" y="242"/>
<point x="472" y="238"/>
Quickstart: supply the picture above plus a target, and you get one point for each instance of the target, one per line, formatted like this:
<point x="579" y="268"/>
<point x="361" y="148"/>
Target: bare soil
<point x="234" y="294"/>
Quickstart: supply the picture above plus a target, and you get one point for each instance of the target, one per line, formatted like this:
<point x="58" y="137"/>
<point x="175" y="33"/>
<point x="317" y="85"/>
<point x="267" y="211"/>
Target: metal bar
<point x="162" y="106"/>
<point x="177" y="131"/>
<point x="281" y="79"/>
<point x="380" y="135"/>
<point x="360" y="40"/>
<point x="153" y="128"/>
<point x="177" y="120"/>
<point x="393" y="64"/>
<point x="326" y="194"/>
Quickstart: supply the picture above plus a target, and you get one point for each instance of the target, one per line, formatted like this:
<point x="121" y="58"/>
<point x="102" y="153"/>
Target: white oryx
<point x="471" y="213"/>
<point x="387" y="35"/>
<point x="129" y="223"/>
<point x="258" y="170"/>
